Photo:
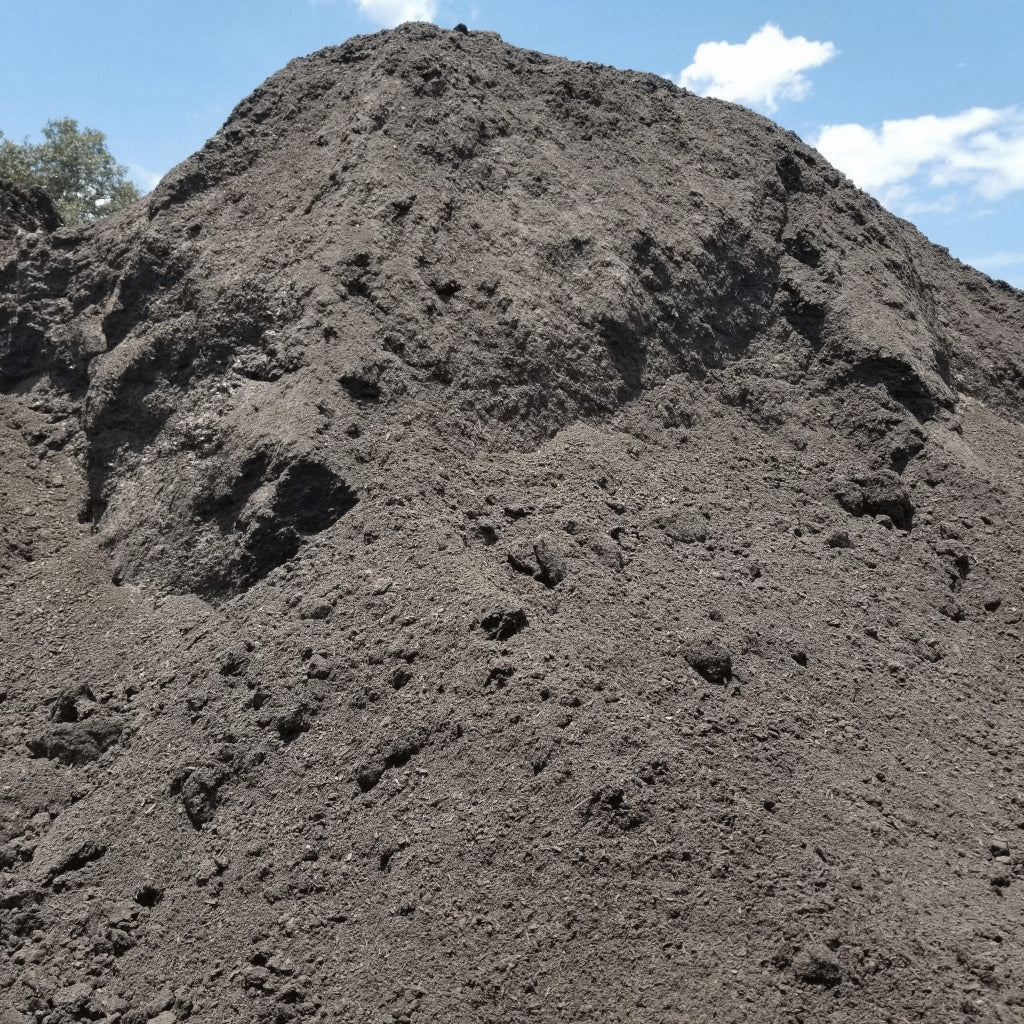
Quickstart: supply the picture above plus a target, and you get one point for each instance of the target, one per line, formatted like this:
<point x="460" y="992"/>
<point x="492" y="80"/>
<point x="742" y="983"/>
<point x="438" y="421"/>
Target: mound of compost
<point x="494" y="538"/>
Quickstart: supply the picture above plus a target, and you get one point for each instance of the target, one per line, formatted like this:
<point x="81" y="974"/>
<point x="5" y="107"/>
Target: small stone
<point x="315" y="608"/>
<point x="318" y="667"/>
<point x="504" y="623"/>
<point x="162" y="1001"/>
<point x="999" y="848"/>
<point x="817" y="966"/>
<point x="233" y="660"/>
<point x="200" y="794"/>
<point x="257" y="978"/>
<point x="709" y="658"/>
<point x="293" y="723"/>
<point x="1001" y="877"/>
<point x="550" y="564"/>
<point x="878" y="494"/>
<point x="839" y="539"/>
<point x="74" y="999"/>
<point x="684" y="527"/>
<point x="207" y="870"/>
<point x="76" y="858"/>
<point x="76" y="743"/>
<point x="521" y="558"/>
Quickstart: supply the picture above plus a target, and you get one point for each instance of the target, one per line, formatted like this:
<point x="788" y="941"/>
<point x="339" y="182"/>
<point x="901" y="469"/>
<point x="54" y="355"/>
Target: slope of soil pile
<point x="492" y="538"/>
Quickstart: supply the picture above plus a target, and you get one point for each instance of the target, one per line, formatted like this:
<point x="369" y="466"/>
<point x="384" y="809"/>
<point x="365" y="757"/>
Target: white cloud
<point x="390" y="13"/>
<point x="980" y="150"/>
<point x="761" y="72"/>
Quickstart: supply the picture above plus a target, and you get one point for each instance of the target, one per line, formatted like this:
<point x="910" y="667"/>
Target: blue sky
<point x="921" y="103"/>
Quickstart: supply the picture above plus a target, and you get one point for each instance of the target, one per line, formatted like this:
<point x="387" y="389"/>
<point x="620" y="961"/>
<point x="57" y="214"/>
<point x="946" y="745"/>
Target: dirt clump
<point x="497" y="538"/>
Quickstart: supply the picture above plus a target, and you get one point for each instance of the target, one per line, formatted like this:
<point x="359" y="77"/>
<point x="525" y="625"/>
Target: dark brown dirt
<point x="499" y="539"/>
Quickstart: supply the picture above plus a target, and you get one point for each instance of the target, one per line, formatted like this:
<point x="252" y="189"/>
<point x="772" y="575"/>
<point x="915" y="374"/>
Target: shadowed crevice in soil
<point x="307" y="499"/>
<point x="262" y="519"/>
<point x="903" y="384"/>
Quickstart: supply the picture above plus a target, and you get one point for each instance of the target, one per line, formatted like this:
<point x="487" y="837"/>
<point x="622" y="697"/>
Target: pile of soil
<point x="493" y="538"/>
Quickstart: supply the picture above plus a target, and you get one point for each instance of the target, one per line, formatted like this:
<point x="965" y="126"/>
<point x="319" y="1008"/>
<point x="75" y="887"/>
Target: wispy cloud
<point x="144" y="178"/>
<point x="998" y="260"/>
<point x="390" y="13"/>
<point x="1007" y="264"/>
<point x="762" y="72"/>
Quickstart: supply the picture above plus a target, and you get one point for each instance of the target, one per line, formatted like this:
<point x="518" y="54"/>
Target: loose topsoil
<point x="493" y="538"/>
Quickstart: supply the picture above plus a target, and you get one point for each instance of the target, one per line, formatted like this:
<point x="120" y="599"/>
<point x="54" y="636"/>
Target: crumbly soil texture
<point x="498" y="539"/>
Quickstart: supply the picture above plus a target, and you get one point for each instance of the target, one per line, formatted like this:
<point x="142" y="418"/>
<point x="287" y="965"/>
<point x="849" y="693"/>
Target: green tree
<point x="73" y="167"/>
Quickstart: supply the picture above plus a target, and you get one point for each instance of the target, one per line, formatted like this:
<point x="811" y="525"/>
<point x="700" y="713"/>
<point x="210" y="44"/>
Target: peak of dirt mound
<point x="497" y="538"/>
<point x="434" y="221"/>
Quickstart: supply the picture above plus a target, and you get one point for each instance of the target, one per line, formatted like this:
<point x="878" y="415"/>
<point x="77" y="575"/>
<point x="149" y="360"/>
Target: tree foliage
<point x="73" y="167"/>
